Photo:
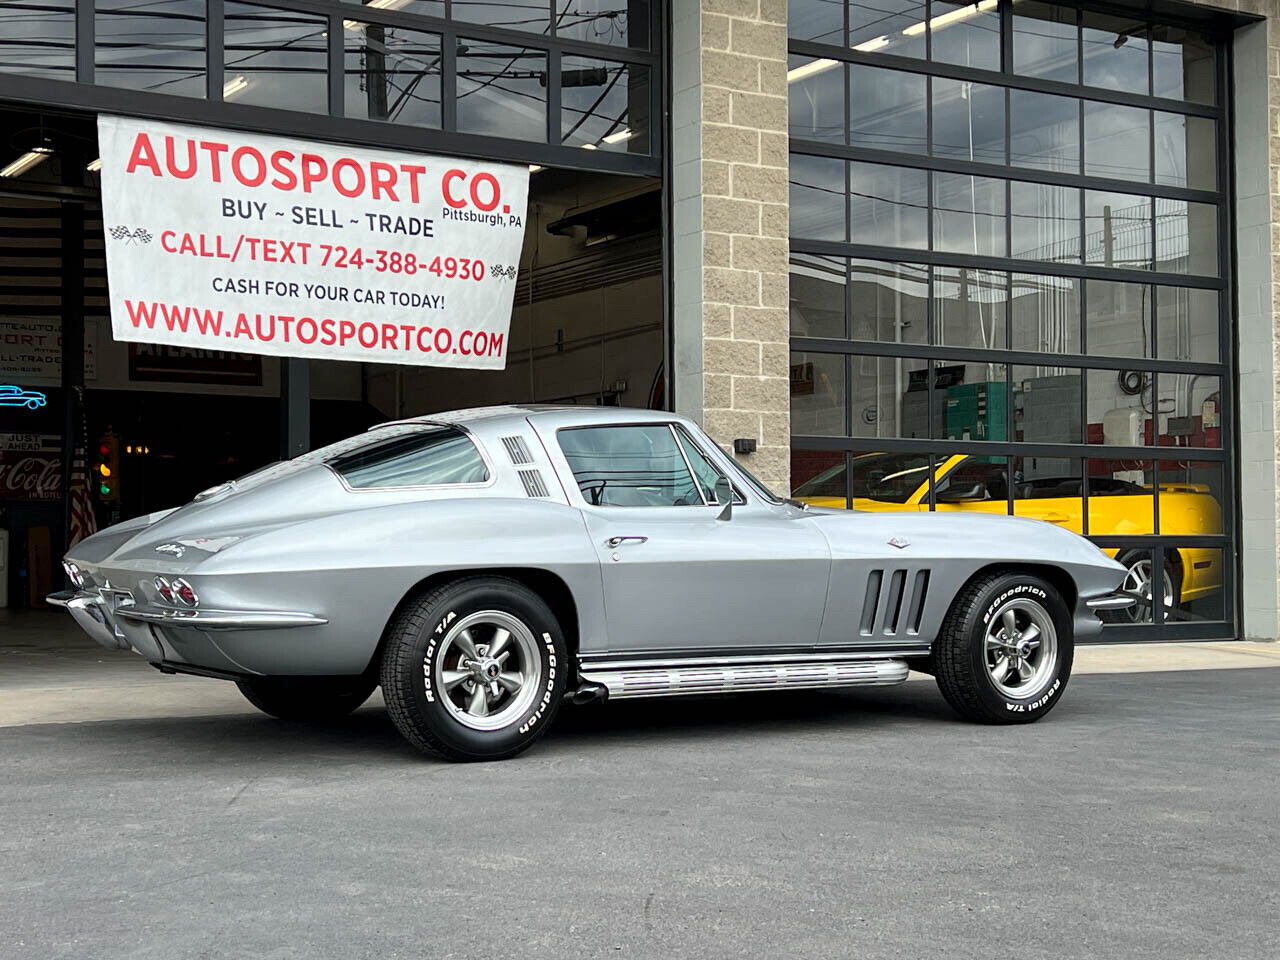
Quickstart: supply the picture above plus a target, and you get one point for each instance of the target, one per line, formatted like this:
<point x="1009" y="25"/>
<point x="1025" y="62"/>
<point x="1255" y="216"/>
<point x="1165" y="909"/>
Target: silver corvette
<point x="485" y="565"/>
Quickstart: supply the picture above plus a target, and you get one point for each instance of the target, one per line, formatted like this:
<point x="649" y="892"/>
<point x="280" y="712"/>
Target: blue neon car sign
<point x="14" y="396"/>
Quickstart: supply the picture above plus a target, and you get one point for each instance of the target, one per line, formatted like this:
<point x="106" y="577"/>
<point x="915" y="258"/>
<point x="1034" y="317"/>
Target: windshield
<point x="887" y="477"/>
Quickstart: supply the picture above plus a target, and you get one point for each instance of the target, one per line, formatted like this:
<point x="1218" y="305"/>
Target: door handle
<point x="618" y="541"/>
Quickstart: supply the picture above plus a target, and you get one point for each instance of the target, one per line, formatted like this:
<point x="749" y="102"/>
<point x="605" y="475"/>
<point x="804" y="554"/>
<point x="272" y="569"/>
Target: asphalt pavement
<point x="1140" y="819"/>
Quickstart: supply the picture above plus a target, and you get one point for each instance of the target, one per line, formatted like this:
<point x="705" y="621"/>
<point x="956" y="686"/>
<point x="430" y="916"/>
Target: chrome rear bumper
<point x="92" y="617"/>
<point x="220" y="619"/>
<point x="112" y="619"/>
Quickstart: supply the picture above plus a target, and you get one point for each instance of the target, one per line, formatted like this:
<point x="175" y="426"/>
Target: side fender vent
<point x="871" y="603"/>
<point x="534" y="485"/>
<point x="917" y="602"/>
<point x="894" y="602"/>
<point x="517" y="450"/>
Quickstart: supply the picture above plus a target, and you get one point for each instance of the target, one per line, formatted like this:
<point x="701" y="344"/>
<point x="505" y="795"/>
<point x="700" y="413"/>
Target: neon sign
<point x="15" y="396"/>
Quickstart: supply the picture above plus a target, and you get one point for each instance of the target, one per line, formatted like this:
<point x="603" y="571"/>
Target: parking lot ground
<point x="1138" y="820"/>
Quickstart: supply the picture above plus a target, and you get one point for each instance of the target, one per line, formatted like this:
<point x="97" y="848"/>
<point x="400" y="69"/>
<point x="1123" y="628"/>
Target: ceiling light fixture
<point x="806" y="70"/>
<point x="377" y="5"/>
<point x="875" y="43"/>
<point x="617" y="137"/>
<point x="818" y="66"/>
<point x="234" y="87"/>
<point x="947" y="19"/>
<point x="32" y="158"/>
<point x="93" y="166"/>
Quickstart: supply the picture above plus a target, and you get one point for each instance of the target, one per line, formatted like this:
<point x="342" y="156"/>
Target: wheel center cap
<point x="486" y="668"/>
<point x="1024" y="649"/>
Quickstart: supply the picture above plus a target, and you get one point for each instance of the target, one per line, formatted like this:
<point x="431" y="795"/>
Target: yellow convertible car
<point x="900" y="482"/>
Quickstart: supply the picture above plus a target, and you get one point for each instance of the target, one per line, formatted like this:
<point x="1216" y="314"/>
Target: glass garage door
<point x="1009" y="281"/>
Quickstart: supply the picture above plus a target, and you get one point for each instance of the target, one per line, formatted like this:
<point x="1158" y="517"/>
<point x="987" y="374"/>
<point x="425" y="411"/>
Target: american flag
<point x="83" y="521"/>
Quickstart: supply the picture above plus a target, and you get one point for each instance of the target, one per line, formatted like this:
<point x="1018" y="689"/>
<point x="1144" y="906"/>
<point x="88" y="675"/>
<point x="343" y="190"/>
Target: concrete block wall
<point x="732" y="354"/>
<point x="1256" y="101"/>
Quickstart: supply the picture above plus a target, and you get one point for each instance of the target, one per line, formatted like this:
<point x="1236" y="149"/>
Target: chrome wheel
<point x="489" y="670"/>
<point x="1021" y="649"/>
<point x="1140" y="582"/>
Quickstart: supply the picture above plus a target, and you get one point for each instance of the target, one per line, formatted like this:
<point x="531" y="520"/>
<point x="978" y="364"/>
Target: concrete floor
<point x="1138" y="820"/>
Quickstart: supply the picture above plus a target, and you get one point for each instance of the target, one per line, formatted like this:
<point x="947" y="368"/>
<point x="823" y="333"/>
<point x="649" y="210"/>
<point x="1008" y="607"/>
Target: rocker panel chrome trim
<point x="684" y="680"/>
<point x="600" y="662"/>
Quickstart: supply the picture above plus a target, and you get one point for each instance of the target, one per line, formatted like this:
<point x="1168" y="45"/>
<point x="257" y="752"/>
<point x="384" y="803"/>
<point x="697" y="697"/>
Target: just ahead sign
<point x="258" y="244"/>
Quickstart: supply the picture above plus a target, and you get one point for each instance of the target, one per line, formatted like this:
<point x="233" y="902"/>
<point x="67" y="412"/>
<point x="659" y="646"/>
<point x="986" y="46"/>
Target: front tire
<point x="474" y="670"/>
<point x="309" y="699"/>
<point x="1005" y="651"/>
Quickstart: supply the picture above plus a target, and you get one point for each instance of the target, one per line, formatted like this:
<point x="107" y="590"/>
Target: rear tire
<point x="307" y="698"/>
<point x="474" y="670"/>
<point x="1005" y="650"/>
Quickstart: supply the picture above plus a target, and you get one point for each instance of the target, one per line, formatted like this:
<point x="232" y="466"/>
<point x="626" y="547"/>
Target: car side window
<point x="704" y="471"/>
<point x="629" y="466"/>
<point x="429" y="456"/>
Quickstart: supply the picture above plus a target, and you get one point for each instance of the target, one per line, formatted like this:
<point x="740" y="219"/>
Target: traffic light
<point x="106" y="473"/>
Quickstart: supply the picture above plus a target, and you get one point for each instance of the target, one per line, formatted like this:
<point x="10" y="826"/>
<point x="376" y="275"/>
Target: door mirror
<point x="963" y="493"/>
<point x="724" y="495"/>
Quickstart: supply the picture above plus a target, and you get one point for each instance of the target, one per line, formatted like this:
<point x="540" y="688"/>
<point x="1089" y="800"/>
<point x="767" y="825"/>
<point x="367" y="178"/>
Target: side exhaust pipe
<point x="588" y="692"/>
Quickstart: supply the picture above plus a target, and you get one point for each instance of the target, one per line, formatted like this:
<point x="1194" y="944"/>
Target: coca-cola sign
<point x="30" y="474"/>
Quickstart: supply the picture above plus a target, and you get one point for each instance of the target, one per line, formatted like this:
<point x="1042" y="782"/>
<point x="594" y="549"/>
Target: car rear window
<point x="427" y="456"/>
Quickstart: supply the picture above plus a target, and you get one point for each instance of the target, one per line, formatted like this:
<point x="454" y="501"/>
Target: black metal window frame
<point x="335" y="126"/>
<point x="938" y="450"/>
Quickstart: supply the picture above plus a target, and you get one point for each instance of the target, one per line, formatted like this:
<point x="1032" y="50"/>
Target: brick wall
<point x="738" y="373"/>
<point x="1256" y="103"/>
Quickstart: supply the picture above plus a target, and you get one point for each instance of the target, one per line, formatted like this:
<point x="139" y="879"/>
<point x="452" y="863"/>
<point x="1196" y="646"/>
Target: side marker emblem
<point x="899" y="543"/>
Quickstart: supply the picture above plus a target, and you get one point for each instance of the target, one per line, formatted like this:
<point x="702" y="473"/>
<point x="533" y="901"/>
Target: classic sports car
<point x="971" y="484"/>
<point x="484" y="565"/>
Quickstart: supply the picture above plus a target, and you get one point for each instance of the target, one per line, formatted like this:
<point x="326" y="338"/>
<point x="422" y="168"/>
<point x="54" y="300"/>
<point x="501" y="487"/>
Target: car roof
<point x="552" y="414"/>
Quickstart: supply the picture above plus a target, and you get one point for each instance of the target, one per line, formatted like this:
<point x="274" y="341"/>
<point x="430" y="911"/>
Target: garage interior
<point x="586" y="328"/>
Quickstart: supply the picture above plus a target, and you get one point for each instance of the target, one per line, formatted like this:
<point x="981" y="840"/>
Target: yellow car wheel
<point x="1139" y="581"/>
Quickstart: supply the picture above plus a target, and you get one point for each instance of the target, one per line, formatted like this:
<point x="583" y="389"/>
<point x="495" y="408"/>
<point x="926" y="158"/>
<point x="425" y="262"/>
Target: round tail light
<point x="74" y="574"/>
<point x="164" y="589"/>
<point x="184" y="593"/>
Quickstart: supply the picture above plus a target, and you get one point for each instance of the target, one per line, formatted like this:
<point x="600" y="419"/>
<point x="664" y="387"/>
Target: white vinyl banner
<point x="260" y="244"/>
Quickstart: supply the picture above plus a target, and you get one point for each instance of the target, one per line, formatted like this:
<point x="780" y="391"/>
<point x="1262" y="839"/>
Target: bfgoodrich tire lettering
<point x="1005" y="650"/>
<point x="474" y="670"/>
